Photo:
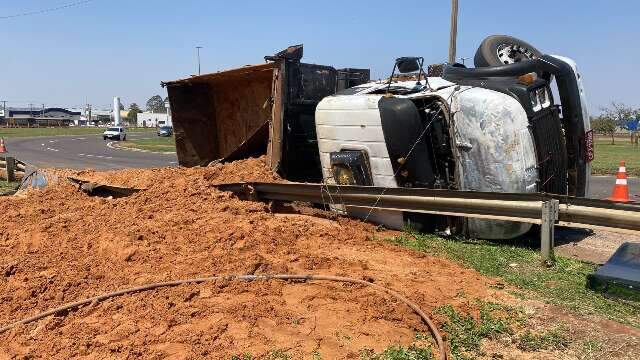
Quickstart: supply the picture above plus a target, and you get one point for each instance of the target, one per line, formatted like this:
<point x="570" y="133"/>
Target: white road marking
<point x="42" y="144"/>
<point x="96" y="156"/>
<point x="50" y="149"/>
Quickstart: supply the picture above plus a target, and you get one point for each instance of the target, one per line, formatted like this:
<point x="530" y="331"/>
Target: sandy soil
<point x="60" y="245"/>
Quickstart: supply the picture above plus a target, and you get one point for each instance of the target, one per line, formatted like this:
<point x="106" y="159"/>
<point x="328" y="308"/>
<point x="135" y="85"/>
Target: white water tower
<point x="116" y="111"/>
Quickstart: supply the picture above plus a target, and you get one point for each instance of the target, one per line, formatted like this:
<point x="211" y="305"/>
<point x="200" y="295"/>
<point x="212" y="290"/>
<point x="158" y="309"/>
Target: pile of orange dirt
<point x="60" y="245"/>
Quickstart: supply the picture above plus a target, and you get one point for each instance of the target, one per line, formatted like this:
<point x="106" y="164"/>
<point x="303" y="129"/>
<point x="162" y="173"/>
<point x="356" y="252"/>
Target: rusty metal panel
<point x="217" y="115"/>
<point x="194" y="125"/>
<point x="207" y="78"/>
<point x="274" y="151"/>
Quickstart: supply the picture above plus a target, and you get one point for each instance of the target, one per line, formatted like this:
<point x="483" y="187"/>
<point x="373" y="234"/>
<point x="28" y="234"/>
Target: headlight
<point x="543" y="97"/>
<point x="535" y="103"/>
<point x="343" y="175"/>
<point x="540" y="98"/>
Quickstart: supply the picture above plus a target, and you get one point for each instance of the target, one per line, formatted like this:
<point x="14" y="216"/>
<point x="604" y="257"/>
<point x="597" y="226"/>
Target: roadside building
<point x="30" y="117"/>
<point x="150" y="119"/>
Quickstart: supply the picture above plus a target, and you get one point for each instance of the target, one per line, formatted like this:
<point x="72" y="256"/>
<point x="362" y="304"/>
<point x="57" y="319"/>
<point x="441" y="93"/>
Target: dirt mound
<point x="60" y="245"/>
<point x="250" y="170"/>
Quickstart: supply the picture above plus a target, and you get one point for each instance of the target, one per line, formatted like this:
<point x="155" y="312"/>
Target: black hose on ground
<point x="69" y="306"/>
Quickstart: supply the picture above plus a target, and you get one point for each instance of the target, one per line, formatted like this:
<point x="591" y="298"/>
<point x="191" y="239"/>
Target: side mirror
<point x="408" y="64"/>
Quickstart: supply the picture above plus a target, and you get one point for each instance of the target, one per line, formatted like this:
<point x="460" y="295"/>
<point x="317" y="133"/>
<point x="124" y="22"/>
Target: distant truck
<point x="496" y="127"/>
<point x="115" y="133"/>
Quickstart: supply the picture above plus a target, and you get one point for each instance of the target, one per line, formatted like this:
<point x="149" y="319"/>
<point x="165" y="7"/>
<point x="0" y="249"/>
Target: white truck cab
<point x="491" y="129"/>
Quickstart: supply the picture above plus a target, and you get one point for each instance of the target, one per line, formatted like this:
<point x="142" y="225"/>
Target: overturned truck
<point x="495" y="127"/>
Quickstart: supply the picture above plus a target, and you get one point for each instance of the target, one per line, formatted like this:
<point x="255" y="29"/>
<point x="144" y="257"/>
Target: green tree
<point x="619" y="113"/>
<point x="606" y="125"/>
<point x="155" y="104"/>
<point x="132" y="115"/>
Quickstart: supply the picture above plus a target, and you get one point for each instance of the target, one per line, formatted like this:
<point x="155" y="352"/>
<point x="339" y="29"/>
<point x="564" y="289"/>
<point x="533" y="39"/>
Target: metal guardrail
<point x="544" y="209"/>
<point x="10" y="167"/>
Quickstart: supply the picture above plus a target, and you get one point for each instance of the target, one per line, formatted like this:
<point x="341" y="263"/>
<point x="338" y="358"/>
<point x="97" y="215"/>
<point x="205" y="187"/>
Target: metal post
<point x="549" y="218"/>
<point x="198" y="49"/>
<point x="454" y="31"/>
<point x="11" y="169"/>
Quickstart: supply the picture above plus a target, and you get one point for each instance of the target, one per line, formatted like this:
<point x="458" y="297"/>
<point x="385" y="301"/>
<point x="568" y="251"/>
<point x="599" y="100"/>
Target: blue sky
<point x="105" y="48"/>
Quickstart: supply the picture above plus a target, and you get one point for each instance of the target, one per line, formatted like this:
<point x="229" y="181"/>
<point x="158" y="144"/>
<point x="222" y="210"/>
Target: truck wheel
<point x="498" y="50"/>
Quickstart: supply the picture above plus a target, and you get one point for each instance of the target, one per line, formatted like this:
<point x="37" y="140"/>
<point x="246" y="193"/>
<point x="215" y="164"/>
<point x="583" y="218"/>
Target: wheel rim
<point x="512" y="53"/>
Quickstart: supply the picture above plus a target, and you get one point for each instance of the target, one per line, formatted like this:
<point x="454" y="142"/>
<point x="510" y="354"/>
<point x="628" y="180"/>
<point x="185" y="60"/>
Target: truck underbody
<point x="481" y="129"/>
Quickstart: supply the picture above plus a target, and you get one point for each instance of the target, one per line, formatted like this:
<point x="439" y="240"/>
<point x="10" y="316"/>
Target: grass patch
<point x="553" y="339"/>
<point x="608" y="157"/>
<point x="564" y="284"/>
<point x="8" y="186"/>
<point x="29" y="132"/>
<point x="465" y="334"/>
<point x="242" y="357"/>
<point x="163" y="144"/>
<point x="418" y="350"/>
<point x="278" y="355"/>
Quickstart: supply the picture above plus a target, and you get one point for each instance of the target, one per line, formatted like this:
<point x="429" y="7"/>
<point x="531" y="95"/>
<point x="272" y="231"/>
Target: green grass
<point x="553" y="339"/>
<point x="29" y="132"/>
<point x="464" y="333"/>
<point x="497" y="322"/>
<point x="608" y="157"/>
<point x="163" y="144"/>
<point x="563" y="284"/>
<point x="7" y="186"/>
<point x="418" y="350"/>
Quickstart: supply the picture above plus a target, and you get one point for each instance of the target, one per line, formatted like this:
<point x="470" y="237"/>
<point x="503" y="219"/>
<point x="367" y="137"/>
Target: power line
<point x="42" y="11"/>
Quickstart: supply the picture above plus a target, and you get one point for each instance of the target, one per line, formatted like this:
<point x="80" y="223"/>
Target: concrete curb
<point x="115" y="145"/>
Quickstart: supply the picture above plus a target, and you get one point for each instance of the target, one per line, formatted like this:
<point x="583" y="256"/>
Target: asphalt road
<point x="601" y="187"/>
<point x="84" y="151"/>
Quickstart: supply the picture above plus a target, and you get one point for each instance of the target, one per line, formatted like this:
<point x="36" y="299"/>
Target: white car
<point x="115" y="133"/>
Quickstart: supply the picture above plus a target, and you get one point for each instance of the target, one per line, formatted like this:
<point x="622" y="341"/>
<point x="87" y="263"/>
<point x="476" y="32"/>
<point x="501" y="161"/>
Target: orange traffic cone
<point x="3" y="149"/>
<point x="621" y="190"/>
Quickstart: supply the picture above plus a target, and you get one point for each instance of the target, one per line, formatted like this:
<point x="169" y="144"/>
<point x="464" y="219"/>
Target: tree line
<point x="155" y="104"/>
<point x="615" y="116"/>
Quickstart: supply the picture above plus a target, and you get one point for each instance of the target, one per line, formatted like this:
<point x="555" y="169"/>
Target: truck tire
<point x="496" y="50"/>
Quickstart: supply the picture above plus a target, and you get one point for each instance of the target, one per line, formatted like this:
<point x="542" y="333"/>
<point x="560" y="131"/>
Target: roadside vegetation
<point x="611" y="146"/>
<point x="608" y="156"/>
<point x="160" y="144"/>
<point x="563" y="284"/>
<point x="58" y="131"/>
<point x="6" y="187"/>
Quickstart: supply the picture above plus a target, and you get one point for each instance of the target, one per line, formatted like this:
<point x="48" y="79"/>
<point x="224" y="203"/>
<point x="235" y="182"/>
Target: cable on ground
<point x="285" y="277"/>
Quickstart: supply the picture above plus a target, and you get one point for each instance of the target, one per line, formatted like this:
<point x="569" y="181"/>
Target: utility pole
<point x="454" y="31"/>
<point x="198" y="51"/>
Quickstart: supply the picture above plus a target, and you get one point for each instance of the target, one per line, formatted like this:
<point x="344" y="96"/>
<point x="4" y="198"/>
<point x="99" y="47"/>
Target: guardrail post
<point x="549" y="217"/>
<point x="11" y="169"/>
